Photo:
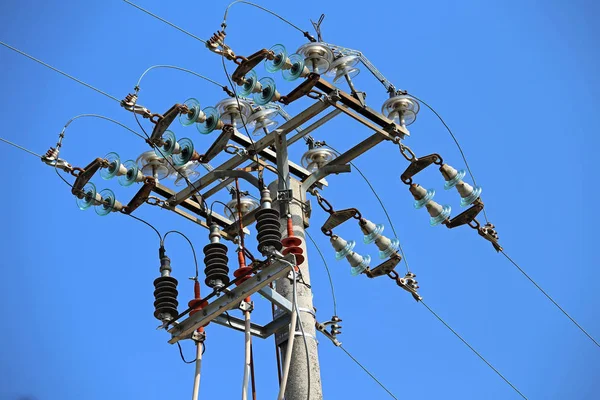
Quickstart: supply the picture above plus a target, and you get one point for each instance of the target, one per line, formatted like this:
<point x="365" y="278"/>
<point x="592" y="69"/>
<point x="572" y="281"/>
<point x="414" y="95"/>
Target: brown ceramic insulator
<point x="297" y="251"/>
<point x="197" y="304"/>
<point x="292" y="243"/>
<point x="242" y="272"/>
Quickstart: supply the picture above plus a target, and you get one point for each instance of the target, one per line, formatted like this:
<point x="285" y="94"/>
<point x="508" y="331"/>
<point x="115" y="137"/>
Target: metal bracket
<point x="337" y="218"/>
<point x="57" y="163"/>
<point x="322" y="173"/>
<point x="164" y="122"/>
<point x="218" y="145"/>
<point x="418" y="165"/>
<point x="281" y="302"/>
<point x="465" y="217"/>
<point x="198" y="337"/>
<point x="247" y="176"/>
<point x="489" y="233"/>
<point x="246" y="306"/>
<point x="384" y="268"/>
<point x="85" y="176"/>
<point x="285" y="195"/>
<point x="301" y="90"/>
<point x="141" y="196"/>
<point x="248" y="64"/>
<point x="232" y="299"/>
<point x="335" y="329"/>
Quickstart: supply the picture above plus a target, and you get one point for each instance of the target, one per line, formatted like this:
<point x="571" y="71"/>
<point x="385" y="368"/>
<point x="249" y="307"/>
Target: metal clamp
<point x="198" y="337"/>
<point x="488" y="232"/>
<point x="334" y="330"/>
<point x="246" y="306"/>
<point x="408" y="283"/>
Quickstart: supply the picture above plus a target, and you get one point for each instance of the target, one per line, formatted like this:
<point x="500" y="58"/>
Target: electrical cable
<point x="59" y="71"/>
<point x="20" y="147"/>
<point x="290" y="343"/>
<point x="61" y="135"/>
<point x="149" y="224"/>
<point x="224" y="24"/>
<point x="179" y="69"/>
<point x="191" y="245"/>
<point x="473" y="350"/>
<point x="328" y="272"/>
<point x="165" y="21"/>
<point x="455" y="141"/>
<point x="550" y="298"/>
<point x="381" y="204"/>
<point x="183" y="358"/>
<point x="367" y="371"/>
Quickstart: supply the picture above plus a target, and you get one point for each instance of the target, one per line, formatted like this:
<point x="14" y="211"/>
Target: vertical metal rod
<point x="247" y="349"/>
<point x="196" y="391"/>
<point x="282" y="166"/>
<point x="300" y="367"/>
<point x="277" y="354"/>
<point x="252" y="372"/>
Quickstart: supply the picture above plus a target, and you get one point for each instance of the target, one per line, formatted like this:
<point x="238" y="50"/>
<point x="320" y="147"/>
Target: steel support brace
<point x="258" y="146"/>
<point x="230" y="300"/>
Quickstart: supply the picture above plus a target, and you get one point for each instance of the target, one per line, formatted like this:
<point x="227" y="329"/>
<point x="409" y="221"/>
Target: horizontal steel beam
<point x="357" y="150"/>
<point x="352" y="103"/>
<point x="276" y="299"/>
<point x="277" y="269"/>
<point x="239" y="325"/>
<point x="195" y="208"/>
<point x="269" y="155"/>
<point x="258" y="146"/>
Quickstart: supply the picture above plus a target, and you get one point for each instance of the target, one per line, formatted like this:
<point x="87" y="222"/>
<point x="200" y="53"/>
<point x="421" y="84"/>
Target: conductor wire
<point x="165" y="21"/>
<point x="21" y="148"/>
<point x="473" y="350"/>
<point x="550" y="298"/>
<point x="59" y="71"/>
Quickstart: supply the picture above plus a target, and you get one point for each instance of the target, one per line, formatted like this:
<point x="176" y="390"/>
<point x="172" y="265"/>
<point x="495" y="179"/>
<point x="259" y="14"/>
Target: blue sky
<point x="516" y="81"/>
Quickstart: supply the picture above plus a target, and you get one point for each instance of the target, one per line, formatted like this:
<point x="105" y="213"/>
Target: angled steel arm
<point x="232" y="299"/>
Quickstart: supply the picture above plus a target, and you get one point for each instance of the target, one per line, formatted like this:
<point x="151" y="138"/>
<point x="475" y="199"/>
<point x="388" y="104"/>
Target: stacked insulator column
<point x="268" y="226"/>
<point x="215" y="261"/>
<point x="423" y="197"/>
<point x="243" y="270"/>
<point x="372" y="233"/>
<point x="468" y="193"/>
<point x="197" y="304"/>
<point x="165" y="292"/>
<point x="343" y="249"/>
<point x="292" y="243"/>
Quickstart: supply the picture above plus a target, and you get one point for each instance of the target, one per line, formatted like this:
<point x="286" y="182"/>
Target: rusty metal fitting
<point x="407" y="153"/>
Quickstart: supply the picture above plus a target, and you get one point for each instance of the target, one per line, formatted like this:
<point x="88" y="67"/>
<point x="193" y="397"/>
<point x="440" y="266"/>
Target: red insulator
<point x="297" y="251"/>
<point x="291" y="240"/>
<point x="292" y="243"/>
<point x="197" y="304"/>
<point x="243" y="271"/>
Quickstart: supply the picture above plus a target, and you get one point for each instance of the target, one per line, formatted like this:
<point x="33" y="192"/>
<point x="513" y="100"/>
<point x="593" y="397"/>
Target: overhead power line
<point x="165" y="21"/>
<point x="473" y="350"/>
<point x="550" y="298"/>
<point x="60" y="72"/>
<point x="21" y="147"/>
<point x="368" y="372"/>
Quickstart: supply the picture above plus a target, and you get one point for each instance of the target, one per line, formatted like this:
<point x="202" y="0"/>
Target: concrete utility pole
<point x="297" y="384"/>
